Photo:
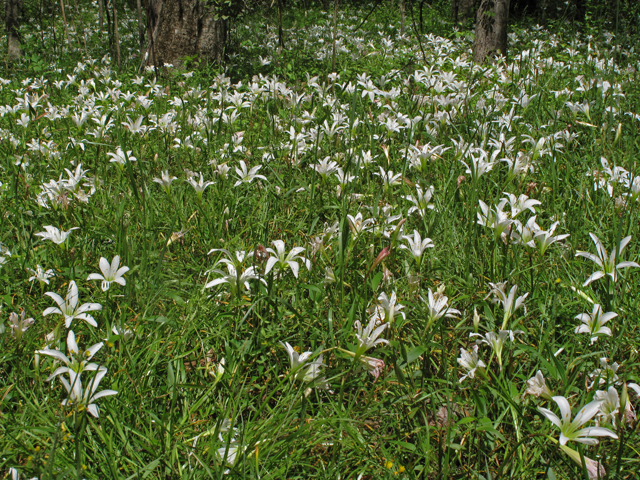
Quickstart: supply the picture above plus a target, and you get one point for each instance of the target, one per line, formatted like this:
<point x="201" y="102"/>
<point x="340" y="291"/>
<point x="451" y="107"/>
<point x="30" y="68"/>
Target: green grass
<point x="175" y="414"/>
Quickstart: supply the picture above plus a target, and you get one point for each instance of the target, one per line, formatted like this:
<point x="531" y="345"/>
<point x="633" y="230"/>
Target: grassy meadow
<point x="405" y="265"/>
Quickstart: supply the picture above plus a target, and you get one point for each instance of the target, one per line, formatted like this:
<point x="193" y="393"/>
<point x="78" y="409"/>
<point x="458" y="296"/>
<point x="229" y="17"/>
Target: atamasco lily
<point x="416" y="246"/>
<point x="55" y="235"/>
<point x="437" y="306"/>
<point x="509" y="302"/>
<point x="594" y="324"/>
<point x="282" y="259"/>
<point x="606" y="262"/>
<point x="77" y="360"/>
<point x="303" y="368"/>
<point x="80" y="398"/>
<point x="68" y="307"/>
<point x="470" y="362"/>
<point x="110" y="273"/>
<point x="496" y="342"/>
<point x="386" y="309"/>
<point x="570" y="430"/>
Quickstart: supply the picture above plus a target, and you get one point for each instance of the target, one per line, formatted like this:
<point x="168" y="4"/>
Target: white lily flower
<point x="571" y="431"/>
<point x="495" y="218"/>
<point x="165" y="181"/>
<point x="84" y="398"/>
<point x="247" y="176"/>
<point x="605" y="262"/>
<point x="594" y="324"/>
<point x="55" y="235"/>
<point x="386" y="309"/>
<point x="416" y="246"/>
<point x="609" y="407"/>
<point x="544" y="238"/>
<point x="537" y="386"/>
<point x="41" y="275"/>
<point x="68" y="307"/>
<point x="283" y="259"/>
<point x="302" y="368"/>
<point x="198" y="185"/>
<point x="368" y="337"/>
<point x="470" y="362"/>
<point x="19" y="324"/>
<point x="521" y="203"/>
<point x="357" y="225"/>
<point x="120" y="158"/>
<point x="110" y="273"/>
<point x="509" y="302"/>
<point x="496" y="342"/>
<point x="437" y="306"/>
<point x="236" y="278"/>
<point x="421" y="201"/>
<point x="77" y="361"/>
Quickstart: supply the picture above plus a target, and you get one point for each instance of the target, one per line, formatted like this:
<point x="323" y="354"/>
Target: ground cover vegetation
<point x="406" y="266"/>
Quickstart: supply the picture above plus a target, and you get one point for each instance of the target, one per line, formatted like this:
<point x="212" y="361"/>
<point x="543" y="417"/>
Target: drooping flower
<point x="110" y="273"/>
<point x="571" y="431"/>
<point x="68" y="307"/>
<point x="606" y="262"/>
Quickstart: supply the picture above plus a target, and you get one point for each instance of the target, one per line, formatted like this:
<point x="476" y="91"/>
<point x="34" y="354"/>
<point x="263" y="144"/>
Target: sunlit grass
<point x="388" y="270"/>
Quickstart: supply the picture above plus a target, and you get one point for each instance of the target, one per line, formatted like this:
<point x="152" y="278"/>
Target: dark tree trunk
<point x="491" y="30"/>
<point x="12" y="23"/>
<point x="183" y="28"/>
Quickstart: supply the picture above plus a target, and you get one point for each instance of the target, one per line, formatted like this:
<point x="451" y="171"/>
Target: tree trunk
<point x="491" y="30"/>
<point x="183" y="28"/>
<point x="12" y="23"/>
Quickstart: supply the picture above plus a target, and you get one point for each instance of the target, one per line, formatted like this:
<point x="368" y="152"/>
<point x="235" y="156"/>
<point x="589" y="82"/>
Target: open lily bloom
<point x="570" y="430"/>
<point x="110" y="273"/>
<point x="85" y="398"/>
<point x="470" y="362"/>
<point x="606" y="262"/>
<point x="594" y="324"/>
<point x="68" y="307"/>
<point x="282" y="259"/>
<point x="77" y="361"/>
<point x="55" y="235"/>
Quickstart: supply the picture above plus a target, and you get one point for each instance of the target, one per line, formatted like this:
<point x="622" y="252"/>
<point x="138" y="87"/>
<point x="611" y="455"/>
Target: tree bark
<point x="183" y="28"/>
<point x="12" y="23"/>
<point x="491" y="30"/>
